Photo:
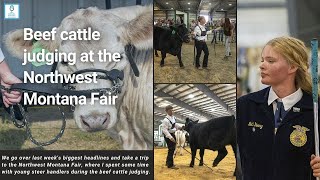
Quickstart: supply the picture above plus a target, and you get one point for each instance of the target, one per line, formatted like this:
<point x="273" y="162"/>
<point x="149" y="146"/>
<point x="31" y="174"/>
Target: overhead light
<point x="189" y="8"/>
<point x="171" y="8"/>
<point x="167" y="3"/>
<point x="230" y="4"/>
<point x="188" y="2"/>
<point x="221" y="9"/>
<point x="191" y="96"/>
<point x="209" y="3"/>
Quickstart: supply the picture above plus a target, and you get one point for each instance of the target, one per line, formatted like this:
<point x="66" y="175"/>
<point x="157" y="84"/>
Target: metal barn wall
<point x="44" y="15"/>
<point x="304" y="19"/>
<point x="159" y="14"/>
<point x="171" y="14"/>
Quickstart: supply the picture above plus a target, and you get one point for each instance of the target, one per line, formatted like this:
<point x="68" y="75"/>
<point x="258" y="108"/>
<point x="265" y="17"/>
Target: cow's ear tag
<point x="37" y="48"/>
<point x="173" y="31"/>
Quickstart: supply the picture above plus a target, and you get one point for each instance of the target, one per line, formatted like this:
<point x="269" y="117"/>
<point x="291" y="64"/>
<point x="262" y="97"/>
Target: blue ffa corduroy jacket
<point x="267" y="154"/>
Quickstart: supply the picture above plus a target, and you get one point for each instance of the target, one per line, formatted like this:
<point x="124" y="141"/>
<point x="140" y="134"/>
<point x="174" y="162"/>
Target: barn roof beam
<point x="176" y="87"/>
<point x="182" y="104"/>
<point x="179" y="5"/>
<point x="183" y="94"/>
<point x="180" y="118"/>
<point x="213" y="96"/>
<point x="198" y="7"/>
<point x="159" y="6"/>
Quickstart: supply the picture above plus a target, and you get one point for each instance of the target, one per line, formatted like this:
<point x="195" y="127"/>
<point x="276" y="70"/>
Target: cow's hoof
<point x="157" y="55"/>
<point x="214" y="165"/>
<point x="191" y="165"/>
<point x="234" y="174"/>
<point x="201" y="164"/>
<point x="182" y="67"/>
<point x="161" y="65"/>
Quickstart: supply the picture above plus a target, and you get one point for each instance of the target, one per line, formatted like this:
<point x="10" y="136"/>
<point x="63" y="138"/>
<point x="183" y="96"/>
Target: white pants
<point x="228" y="50"/>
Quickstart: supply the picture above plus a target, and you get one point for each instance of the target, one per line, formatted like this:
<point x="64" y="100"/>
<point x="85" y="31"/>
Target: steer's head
<point x="182" y="31"/>
<point x="118" y="28"/>
<point x="189" y="124"/>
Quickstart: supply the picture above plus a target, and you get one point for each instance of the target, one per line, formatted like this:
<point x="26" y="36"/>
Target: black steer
<point x="169" y="40"/>
<point x="214" y="134"/>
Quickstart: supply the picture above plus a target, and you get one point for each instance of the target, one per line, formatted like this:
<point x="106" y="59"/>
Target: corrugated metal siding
<point x="158" y="14"/>
<point x="171" y="15"/>
<point x="44" y="15"/>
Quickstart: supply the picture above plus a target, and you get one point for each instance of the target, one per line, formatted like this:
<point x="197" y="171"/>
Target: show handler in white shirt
<point x="200" y="33"/>
<point x="169" y="127"/>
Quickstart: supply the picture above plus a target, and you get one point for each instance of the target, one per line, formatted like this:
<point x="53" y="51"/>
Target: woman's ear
<point x="293" y="69"/>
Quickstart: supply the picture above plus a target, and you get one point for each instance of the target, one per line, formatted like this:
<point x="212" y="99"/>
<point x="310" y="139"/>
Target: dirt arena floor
<point x="219" y="70"/>
<point x="224" y="171"/>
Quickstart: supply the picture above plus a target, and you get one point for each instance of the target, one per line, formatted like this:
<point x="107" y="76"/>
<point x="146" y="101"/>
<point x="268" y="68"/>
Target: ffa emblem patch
<point x="298" y="137"/>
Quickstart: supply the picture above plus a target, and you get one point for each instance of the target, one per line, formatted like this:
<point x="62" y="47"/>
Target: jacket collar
<point x="261" y="97"/>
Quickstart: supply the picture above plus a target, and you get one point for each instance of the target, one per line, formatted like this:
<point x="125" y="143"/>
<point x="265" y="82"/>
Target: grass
<point x="45" y="126"/>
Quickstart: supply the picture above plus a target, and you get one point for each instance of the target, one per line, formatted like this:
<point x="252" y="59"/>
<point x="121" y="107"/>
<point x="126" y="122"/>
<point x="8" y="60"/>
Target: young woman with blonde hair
<point x="275" y="125"/>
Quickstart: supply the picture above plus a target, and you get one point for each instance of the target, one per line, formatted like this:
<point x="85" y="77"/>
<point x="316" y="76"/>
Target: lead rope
<point x="214" y="46"/>
<point x="25" y="123"/>
<point x="198" y="159"/>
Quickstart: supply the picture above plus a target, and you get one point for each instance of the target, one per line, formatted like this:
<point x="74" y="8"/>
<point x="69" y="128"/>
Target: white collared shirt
<point x="197" y="32"/>
<point x="167" y="124"/>
<point x="1" y="56"/>
<point x="288" y="101"/>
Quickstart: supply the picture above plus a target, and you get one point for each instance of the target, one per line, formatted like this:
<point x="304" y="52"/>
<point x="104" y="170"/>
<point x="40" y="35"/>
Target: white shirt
<point x="288" y="101"/>
<point x="197" y="32"/>
<point x="1" y="56"/>
<point x="167" y="124"/>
